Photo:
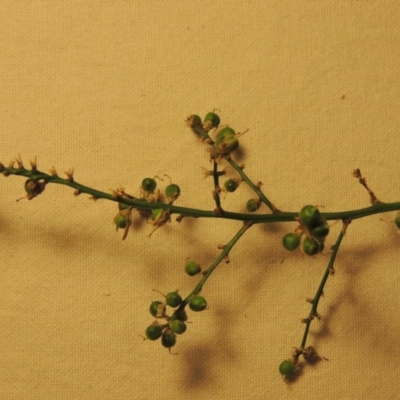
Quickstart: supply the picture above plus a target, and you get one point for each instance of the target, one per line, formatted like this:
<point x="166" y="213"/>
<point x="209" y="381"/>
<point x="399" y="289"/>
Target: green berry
<point x="177" y="326"/>
<point x="224" y="132"/>
<point x="149" y="184"/>
<point x="173" y="299"/>
<point x="154" y="332"/>
<point x="211" y="120"/>
<point x="286" y="368"/>
<point x="30" y="186"/>
<point x="172" y="191"/>
<point x="121" y="221"/>
<point x="310" y="216"/>
<point x="196" y="125"/>
<point x="253" y="205"/>
<point x="155" y="308"/>
<point x="311" y="246"/>
<point x="320" y="231"/>
<point x="291" y="241"/>
<point x="192" y="268"/>
<point x="168" y="339"/>
<point x="197" y="303"/>
<point x="193" y="121"/>
<point x="231" y="185"/>
<point x="228" y="144"/>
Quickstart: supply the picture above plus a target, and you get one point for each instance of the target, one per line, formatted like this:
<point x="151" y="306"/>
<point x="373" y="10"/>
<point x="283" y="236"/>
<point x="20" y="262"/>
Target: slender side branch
<point x="224" y="254"/>
<point x="329" y="270"/>
<point x="256" y="189"/>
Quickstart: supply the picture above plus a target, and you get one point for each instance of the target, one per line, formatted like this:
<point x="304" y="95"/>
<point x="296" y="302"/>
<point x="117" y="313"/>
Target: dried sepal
<point x="53" y="171"/>
<point x="70" y="174"/>
<point x="33" y="164"/>
<point x="18" y="160"/>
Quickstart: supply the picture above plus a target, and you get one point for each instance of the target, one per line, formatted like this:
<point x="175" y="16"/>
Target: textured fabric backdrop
<point x="105" y="87"/>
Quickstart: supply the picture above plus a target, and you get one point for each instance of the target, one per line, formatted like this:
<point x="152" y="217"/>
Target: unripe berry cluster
<point x="224" y="141"/>
<point x="311" y="232"/>
<point x="287" y="368"/>
<point x="148" y="194"/>
<point x="174" y="324"/>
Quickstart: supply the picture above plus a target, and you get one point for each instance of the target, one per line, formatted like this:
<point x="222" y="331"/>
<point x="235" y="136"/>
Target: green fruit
<point x="173" y="299"/>
<point x="253" y="205"/>
<point x="310" y="216"/>
<point x="231" y="185"/>
<point x="196" y="125"/>
<point x="149" y="184"/>
<point x="228" y="144"/>
<point x="286" y="368"/>
<point x="192" y="268"/>
<point x="227" y="131"/>
<point x="311" y="246"/>
<point x="291" y="241"/>
<point x="194" y="121"/>
<point x="168" y="339"/>
<point x="172" y="191"/>
<point x="30" y="186"/>
<point x="155" y="307"/>
<point x="320" y="231"/>
<point x="121" y="221"/>
<point x="177" y="326"/>
<point x="211" y="120"/>
<point x="197" y="303"/>
<point x="154" y="332"/>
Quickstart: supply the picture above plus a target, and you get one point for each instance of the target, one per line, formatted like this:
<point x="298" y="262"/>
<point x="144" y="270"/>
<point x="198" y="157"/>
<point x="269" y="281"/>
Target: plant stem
<point x="256" y="189"/>
<point x="254" y="218"/>
<point x="224" y="254"/>
<point x="329" y="270"/>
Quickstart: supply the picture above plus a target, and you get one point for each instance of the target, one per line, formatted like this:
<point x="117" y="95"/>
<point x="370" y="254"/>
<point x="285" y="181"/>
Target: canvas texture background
<point x="105" y="87"/>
